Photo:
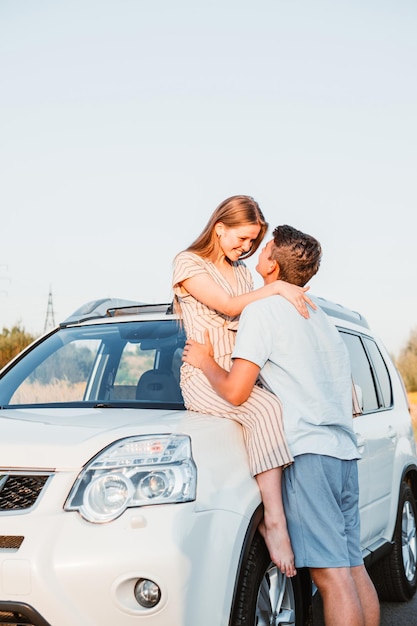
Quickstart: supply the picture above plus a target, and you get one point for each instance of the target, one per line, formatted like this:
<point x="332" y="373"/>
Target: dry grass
<point x="56" y="391"/>
<point x="412" y="397"/>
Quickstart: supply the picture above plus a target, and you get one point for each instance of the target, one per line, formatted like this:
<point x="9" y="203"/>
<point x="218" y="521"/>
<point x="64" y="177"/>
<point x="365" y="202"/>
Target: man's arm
<point x="234" y="386"/>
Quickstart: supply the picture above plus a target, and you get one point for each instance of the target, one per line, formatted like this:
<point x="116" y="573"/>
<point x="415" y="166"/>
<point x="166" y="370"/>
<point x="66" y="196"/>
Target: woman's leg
<point x="261" y="419"/>
<point x="273" y="527"/>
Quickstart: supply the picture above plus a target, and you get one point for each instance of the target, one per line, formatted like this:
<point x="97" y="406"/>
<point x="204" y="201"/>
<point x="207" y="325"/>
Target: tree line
<point x="407" y="362"/>
<point x="12" y="342"/>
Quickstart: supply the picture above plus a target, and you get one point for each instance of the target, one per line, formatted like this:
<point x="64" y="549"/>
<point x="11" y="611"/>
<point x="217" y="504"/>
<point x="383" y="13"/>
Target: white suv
<point x="117" y="506"/>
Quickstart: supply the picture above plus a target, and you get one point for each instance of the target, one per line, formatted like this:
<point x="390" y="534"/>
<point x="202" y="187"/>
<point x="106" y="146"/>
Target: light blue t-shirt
<point x="306" y="364"/>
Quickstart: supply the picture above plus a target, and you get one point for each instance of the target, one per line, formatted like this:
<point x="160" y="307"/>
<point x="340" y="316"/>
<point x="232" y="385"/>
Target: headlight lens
<point x="135" y="472"/>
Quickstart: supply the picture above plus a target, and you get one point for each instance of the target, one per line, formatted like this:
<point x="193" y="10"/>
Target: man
<point x="306" y="364"/>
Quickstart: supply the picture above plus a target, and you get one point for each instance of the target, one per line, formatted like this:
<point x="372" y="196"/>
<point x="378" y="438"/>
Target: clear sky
<point x="124" y="123"/>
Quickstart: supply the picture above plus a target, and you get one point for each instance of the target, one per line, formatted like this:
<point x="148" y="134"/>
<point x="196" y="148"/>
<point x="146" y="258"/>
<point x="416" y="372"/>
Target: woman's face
<point x="236" y="241"/>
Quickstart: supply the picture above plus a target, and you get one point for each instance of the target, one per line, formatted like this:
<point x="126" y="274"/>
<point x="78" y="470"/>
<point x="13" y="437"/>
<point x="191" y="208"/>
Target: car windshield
<point x="117" y="364"/>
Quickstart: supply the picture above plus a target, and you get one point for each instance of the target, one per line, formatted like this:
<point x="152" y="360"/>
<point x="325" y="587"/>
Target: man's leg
<point x="367" y="595"/>
<point x="341" y="601"/>
<point x="348" y="595"/>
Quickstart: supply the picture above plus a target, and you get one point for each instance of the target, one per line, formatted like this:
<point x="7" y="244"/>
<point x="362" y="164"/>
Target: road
<point x="392" y="614"/>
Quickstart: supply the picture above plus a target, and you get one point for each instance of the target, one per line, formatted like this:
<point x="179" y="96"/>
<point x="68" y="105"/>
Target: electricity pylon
<point x="50" y="317"/>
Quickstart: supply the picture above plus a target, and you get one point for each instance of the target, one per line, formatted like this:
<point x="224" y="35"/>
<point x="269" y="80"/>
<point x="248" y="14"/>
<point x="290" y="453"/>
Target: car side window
<point x="133" y="363"/>
<point x="382" y="376"/>
<point x="361" y="371"/>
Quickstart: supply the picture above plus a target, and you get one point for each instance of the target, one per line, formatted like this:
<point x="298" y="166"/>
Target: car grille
<point x="20" y="614"/>
<point x="10" y="542"/>
<point x="20" y="491"/>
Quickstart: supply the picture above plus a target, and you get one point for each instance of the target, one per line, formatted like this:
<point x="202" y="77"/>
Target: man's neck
<point x="270" y="278"/>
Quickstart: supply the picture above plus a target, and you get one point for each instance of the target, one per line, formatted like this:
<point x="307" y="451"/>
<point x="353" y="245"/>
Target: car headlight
<point x="138" y="471"/>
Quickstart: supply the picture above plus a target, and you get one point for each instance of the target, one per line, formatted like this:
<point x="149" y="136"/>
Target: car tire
<point x="265" y="596"/>
<point x="395" y="576"/>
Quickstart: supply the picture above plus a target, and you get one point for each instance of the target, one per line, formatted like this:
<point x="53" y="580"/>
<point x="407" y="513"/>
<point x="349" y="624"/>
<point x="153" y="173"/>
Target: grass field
<point x="412" y="397"/>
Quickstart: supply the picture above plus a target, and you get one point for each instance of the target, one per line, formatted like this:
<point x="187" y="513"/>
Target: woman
<point x="212" y="285"/>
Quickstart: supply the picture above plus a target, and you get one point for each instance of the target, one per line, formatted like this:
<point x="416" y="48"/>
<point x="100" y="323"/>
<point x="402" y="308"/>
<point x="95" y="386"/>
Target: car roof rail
<point x="339" y="311"/>
<point x="111" y="307"/>
<point x="135" y="309"/>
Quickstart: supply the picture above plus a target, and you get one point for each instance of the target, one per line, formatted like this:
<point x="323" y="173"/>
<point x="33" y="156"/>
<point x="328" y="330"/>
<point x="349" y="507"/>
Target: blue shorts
<point x="321" y="495"/>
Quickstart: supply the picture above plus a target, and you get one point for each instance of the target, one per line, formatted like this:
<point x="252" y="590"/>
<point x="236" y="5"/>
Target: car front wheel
<point x="265" y="596"/>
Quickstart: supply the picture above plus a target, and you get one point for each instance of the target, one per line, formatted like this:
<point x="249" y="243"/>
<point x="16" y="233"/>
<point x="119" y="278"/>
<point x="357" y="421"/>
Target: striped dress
<point x="261" y="415"/>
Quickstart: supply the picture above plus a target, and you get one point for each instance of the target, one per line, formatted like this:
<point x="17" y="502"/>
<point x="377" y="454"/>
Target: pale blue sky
<point x="125" y="122"/>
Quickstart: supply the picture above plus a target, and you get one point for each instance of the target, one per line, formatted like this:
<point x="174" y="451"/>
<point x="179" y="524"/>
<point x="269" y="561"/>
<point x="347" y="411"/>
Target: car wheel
<point x="395" y="576"/>
<point x="266" y="597"/>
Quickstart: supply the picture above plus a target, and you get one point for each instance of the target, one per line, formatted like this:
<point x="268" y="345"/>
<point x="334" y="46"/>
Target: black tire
<point x="395" y="576"/>
<point x="264" y="596"/>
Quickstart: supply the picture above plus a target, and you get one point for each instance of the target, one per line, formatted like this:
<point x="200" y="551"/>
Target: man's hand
<point x="234" y="386"/>
<point x="196" y="353"/>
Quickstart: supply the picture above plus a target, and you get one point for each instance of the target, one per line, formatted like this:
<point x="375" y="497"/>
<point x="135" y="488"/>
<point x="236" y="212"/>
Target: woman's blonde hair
<point x="233" y="212"/>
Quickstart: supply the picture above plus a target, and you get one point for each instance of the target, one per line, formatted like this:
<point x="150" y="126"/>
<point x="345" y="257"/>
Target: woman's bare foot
<point x="279" y="547"/>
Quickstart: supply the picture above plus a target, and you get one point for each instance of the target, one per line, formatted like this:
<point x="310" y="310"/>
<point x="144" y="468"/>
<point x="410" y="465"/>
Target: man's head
<point x="291" y="255"/>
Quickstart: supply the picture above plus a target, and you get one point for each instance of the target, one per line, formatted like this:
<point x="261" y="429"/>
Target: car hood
<point x="61" y="439"/>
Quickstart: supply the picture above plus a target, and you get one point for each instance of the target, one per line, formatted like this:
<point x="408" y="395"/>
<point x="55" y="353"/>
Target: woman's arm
<point x="204" y="289"/>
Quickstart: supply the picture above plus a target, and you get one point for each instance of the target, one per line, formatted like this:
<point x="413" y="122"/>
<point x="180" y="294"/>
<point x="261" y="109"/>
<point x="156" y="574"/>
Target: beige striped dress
<point x="260" y="416"/>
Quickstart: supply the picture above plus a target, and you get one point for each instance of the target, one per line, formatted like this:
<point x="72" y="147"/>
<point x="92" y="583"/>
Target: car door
<point x="375" y="432"/>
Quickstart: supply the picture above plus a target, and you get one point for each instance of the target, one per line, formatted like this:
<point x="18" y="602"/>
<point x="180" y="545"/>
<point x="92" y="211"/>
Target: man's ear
<point x="273" y="269"/>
